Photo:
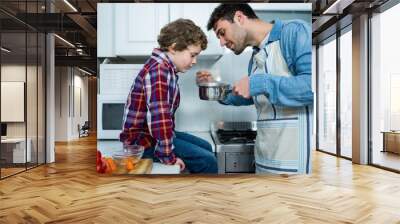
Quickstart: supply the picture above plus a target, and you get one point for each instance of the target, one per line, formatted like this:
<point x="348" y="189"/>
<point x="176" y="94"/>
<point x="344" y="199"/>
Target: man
<point x="278" y="83"/>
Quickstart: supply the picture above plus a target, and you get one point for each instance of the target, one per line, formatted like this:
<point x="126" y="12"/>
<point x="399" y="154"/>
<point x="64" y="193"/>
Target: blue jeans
<point x="195" y="152"/>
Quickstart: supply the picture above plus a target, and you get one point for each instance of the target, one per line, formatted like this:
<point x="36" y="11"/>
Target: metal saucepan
<point x="214" y="90"/>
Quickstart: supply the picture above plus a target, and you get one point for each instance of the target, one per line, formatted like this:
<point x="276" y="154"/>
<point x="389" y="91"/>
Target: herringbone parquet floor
<point x="70" y="191"/>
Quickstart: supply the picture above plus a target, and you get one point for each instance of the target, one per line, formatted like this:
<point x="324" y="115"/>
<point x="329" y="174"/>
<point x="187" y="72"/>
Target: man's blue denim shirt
<point x="294" y="91"/>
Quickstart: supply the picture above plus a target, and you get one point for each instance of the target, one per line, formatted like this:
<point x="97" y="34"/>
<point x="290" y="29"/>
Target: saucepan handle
<point x="229" y="89"/>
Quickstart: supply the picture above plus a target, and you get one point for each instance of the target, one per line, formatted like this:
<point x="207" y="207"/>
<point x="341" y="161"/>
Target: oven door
<point x="110" y="113"/>
<point x="236" y="159"/>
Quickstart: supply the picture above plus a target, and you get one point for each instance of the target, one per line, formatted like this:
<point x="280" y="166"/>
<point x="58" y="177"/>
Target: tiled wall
<point x="195" y="114"/>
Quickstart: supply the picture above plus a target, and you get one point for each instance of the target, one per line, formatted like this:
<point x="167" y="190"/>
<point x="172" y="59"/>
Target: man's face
<point x="231" y="35"/>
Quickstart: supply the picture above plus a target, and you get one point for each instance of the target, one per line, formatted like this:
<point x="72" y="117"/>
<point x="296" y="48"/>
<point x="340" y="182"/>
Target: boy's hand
<point x="203" y="76"/>
<point x="180" y="163"/>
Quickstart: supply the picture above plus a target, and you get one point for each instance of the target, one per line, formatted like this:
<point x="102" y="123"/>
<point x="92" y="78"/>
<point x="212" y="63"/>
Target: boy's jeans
<point x="195" y="152"/>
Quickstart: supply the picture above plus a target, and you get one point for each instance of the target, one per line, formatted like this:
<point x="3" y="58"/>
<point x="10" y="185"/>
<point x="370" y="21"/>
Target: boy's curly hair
<point x="182" y="32"/>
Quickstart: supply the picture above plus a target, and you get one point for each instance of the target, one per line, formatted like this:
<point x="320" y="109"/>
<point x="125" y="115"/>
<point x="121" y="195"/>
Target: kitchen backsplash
<point x="195" y="114"/>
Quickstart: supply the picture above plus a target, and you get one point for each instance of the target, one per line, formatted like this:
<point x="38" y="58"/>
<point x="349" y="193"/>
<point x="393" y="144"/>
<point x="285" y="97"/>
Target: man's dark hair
<point x="227" y="12"/>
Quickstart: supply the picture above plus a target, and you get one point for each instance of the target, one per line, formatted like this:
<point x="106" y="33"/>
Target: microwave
<point x="110" y="115"/>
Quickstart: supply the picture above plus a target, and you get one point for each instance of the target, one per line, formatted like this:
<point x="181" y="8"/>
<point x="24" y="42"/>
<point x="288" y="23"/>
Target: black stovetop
<point x="236" y="137"/>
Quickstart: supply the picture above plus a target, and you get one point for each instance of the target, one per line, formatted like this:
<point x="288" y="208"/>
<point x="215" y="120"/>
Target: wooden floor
<point x="5" y="172"/>
<point x="70" y="191"/>
<point x="10" y="171"/>
<point x="386" y="159"/>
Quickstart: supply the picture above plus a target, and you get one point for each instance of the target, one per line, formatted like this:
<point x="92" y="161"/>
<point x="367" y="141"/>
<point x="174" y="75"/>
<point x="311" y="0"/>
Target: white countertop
<point x="159" y="168"/>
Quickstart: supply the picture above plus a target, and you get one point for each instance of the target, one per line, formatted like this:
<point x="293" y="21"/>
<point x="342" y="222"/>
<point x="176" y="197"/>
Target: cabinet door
<point x="199" y="13"/>
<point x="137" y="27"/>
<point x="105" y="30"/>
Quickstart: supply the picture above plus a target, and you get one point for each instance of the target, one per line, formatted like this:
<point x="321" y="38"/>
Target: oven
<point x="110" y="114"/>
<point x="234" y="146"/>
<point x="115" y="82"/>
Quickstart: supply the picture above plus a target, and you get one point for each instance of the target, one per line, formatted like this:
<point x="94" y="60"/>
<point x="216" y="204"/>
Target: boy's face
<point x="185" y="59"/>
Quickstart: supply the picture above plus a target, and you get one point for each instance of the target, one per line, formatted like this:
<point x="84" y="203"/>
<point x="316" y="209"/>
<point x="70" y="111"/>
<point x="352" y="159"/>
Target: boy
<point x="154" y="98"/>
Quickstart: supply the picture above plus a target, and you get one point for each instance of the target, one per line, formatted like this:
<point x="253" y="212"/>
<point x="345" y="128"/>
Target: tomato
<point x="101" y="165"/>
<point x="98" y="157"/>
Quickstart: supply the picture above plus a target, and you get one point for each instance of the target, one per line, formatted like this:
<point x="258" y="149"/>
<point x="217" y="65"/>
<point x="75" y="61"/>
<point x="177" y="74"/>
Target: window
<point x="22" y="65"/>
<point x="385" y="87"/>
<point x="327" y="96"/>
<point x="346" y="93"/>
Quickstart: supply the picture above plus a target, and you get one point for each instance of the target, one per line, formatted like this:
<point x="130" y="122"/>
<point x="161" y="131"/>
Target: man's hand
<point x="180" y="163"/>
<point x="203" y="76"/>
<point x="242" y="88"/>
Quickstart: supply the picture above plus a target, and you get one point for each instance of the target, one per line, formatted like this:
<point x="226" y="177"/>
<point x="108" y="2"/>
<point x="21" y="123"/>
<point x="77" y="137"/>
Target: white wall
<point x="61" y="103"/>
<point x="196" y="115"/>
<point x="70" y="83"/>
<point x="79" y="117"/>
<point x="12" y="73"/>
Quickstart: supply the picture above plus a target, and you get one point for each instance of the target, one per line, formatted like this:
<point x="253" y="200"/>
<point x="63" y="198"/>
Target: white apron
<point x="283" y="133"/>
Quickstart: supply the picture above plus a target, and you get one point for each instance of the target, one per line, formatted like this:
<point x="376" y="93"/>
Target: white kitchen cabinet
<point x="132" y="29"/>
<point x="137" y="27"/>
<point x="106" y="30"/>
<point x="199" y="13"/>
